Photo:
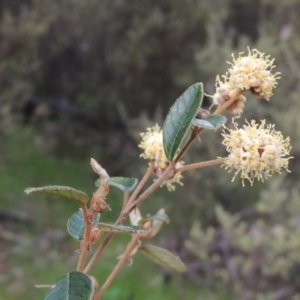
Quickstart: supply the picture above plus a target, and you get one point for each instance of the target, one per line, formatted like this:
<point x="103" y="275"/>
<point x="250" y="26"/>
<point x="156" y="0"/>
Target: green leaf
<point x="159" y="217"/>
<point x="163" y="257"/>
<point x="180" y="117"/>
<point x="110" y="227"/>
<point x="73" y="286"/>
<point x="126" y="184"/>
<point x="61" y="191"/>
<point x="212" y="122"/>
<point x="76" y="225"/>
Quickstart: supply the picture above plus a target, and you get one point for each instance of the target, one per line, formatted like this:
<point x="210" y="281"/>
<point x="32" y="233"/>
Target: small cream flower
<point x="253" y="72"/>
<point x="152" y="143"/>
<point x="256" y="151"/>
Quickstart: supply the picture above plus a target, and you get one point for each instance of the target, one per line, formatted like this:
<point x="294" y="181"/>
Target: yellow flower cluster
<point x="152" y="143"/>
<point x="256" y="151"/>
<point x="253" y="72"/>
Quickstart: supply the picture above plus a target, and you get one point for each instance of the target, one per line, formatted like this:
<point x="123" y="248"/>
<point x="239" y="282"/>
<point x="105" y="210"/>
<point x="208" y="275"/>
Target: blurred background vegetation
<point x="81" y="79"/>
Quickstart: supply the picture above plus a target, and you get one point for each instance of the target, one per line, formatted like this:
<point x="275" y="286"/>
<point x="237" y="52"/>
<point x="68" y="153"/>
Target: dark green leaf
<point x="126" y="184"/>
<point x="110" y="227"/>
<point x="73" y="286"/>
<point x="76" y="225"/>
<point x="61" y="191"/>
<point x="180" y="117"/>
<point x="212" y="122"/>
<point x="163" y="257"/>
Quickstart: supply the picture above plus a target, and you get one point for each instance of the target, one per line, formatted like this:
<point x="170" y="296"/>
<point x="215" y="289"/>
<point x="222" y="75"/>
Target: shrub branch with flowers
<point x="255" y="152"/>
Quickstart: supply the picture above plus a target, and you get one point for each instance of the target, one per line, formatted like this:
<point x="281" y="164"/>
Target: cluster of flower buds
<point x="256" y="151"/>
<point x="253" y="73"/>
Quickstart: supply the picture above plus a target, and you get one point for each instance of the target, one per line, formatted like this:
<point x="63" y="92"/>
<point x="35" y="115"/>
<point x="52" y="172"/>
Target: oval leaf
<point x="126" y="184"/>
<point x="212" y="122"/>
<point x="73" y="286"/>
<point x="180" y="117"/>
<point x="110" y="227"/>
<point x="76" y="225"/>
<point x="163" y="257"/>
<point x="61" y="191"/>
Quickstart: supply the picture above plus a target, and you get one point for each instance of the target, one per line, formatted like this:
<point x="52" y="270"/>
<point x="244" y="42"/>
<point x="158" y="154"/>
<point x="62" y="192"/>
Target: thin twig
<point x="196" y="132"/>
<point x="125" y="199"/>
<point x="201" y="165"/>
<point x="145" y="194"/>
<point x="98" y="252"/>
<point x="84" y="244"/>
<point x="118" y="266"/>
<point x="44" y="286"/>
<point x="141" y="183"/>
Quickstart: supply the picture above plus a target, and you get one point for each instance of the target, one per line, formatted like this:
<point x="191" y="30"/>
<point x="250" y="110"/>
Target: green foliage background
<point x="101" y="72"/>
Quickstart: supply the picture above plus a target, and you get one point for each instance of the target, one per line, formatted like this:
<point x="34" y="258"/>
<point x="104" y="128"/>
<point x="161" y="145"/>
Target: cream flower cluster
<point x="253" y="72"/>
<point x="152" y="143"/>
<point x="256" y="151"/>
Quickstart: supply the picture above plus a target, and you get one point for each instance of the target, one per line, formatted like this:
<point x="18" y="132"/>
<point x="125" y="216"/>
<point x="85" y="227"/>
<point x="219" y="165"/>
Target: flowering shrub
<point x="255" y="151"/>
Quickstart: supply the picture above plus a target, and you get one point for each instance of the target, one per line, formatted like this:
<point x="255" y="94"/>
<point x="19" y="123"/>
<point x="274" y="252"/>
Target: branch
<point x="118" y="267"/>
<point x="201" y="164"/>
<point x="84" y="246"/>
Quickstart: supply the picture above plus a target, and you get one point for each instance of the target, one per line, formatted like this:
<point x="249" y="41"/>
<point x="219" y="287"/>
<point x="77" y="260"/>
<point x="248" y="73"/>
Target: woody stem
<point x="118" y="267"/>
<point x="84" y="246"/>
<point x="201" y="165"/>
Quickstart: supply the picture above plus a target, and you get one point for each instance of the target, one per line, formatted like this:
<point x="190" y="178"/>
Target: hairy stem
<point x="84" y="246"/>
<point x="98" y="252"/>
<point x="201" y="164"/>
<point x="141" y="183"/>
<point x="125" y="199"/>
<point x="145" y="194"/>
<point x="118" y="267"/>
